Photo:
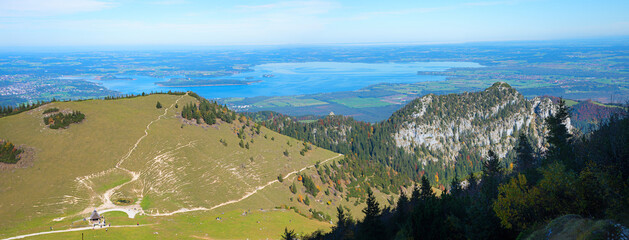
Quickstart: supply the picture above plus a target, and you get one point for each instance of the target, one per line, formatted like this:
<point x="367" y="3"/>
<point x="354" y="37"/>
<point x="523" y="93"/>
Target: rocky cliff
<point x="440" y="127"/>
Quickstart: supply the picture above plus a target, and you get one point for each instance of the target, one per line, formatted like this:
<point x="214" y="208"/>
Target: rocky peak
<point x="439" y="127"/>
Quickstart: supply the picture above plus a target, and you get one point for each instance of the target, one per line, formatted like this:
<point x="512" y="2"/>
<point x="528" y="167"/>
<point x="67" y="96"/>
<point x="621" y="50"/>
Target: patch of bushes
<point x="280" y="178"/>
<point x="123" y="201"/>
<point x="321" y="216"/>
<point x="310" y="185"/>
<point x="9" y="153"/>
<point x="61" y="120"/>
<point x="293" y="188"/>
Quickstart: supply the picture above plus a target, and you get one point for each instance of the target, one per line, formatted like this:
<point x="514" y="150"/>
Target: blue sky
<point x="259" y="22"/>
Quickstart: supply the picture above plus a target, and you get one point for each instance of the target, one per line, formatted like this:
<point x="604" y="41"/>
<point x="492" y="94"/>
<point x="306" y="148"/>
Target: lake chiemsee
<point x="299" y="78"/>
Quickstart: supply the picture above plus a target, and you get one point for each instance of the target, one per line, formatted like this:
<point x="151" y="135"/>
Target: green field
<point x="289" y="102"/>
<point x="571" y="103"/>
<point x="256" y="224"/>
<point x="356" y="102"/>
<point x="179" y="166"/>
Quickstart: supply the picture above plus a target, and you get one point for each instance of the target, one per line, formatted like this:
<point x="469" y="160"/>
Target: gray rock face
<point x="440" y="126"/>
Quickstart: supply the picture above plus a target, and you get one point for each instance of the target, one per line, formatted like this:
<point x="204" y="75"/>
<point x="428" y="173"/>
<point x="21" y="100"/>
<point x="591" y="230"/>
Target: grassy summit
<point x="127" y="154"/>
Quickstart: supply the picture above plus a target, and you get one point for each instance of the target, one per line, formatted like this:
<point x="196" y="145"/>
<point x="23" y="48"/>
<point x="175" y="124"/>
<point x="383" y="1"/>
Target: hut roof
<point x="95" y="215"/>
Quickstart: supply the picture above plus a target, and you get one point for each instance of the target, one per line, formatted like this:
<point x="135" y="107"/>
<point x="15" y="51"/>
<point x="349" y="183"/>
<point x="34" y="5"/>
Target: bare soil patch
<point x="27" y="158"/>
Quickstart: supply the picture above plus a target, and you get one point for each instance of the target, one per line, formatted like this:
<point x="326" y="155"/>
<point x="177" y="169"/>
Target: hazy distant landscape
<point x="359" y="81"/>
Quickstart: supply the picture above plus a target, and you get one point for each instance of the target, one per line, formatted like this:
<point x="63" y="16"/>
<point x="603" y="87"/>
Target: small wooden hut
<point x="95" y="217"/>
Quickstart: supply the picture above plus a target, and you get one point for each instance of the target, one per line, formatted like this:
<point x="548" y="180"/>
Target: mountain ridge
<point x="488" y="120"/>
<point x="499" y="110"/>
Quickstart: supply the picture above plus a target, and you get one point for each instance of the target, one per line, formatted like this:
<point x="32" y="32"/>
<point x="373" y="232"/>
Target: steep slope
<point x="438" y="135"/>
<point x="441" y="127"/>
<point x="129" y="155"/>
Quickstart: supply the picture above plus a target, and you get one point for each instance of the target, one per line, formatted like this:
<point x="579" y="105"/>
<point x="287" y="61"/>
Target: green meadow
<point x="179" y="165"/>
<point x="357" y="102"/>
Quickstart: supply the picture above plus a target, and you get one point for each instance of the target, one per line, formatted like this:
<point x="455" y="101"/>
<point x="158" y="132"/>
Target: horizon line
<point x="619" y="40"/>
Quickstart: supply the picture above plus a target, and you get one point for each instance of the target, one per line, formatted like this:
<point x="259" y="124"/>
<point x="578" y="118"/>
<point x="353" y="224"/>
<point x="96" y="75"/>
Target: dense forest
<point x="370" y="148"/>
<point x="373" y="145"/>
<point x="9" y="153"/>
<point x="576" y="180"/>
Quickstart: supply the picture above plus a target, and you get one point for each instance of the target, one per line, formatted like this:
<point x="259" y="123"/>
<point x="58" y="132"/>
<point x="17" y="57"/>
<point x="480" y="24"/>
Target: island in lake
<point x="193" y="82"/>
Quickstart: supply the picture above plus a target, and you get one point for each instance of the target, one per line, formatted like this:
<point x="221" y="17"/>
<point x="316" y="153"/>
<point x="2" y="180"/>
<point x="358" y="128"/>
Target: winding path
<point x="183" y="210"/>
<point x="131" y="211"/>
<point x="106" y="197"/>
<point x="70" y="230"/>
<point x="249" y="194"/>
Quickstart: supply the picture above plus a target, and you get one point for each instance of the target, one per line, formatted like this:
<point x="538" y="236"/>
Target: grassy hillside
<point x="129" y="150"/>
<point x="199" y="225"/>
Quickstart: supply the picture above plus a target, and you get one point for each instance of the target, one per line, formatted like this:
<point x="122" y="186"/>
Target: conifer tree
<point x="524" y="159"/>
<point x="492" y="166"/>
<point x="426" y="190"/>
<point x="415" y="194"/>
<point x="289" y="234"/>
<point x="342" y="218"/>
<point x="473" y="183"/>
<point x="455" y="187"/>
<point x="158" y="105"/>
<point x="402" y="202"/>
<point x="372" y="227"/>
<point x="558" y="136"/>
<point x="401" y="211"/>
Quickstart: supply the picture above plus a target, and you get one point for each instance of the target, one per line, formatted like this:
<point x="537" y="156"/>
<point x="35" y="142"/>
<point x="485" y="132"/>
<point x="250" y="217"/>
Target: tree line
<point x="585" y="176"/>
<point x="10" y="110"/>
<point x="123" y="96"/>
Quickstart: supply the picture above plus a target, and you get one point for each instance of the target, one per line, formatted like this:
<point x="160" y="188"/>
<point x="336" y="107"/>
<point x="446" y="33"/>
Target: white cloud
<point x="34" y="8"/>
